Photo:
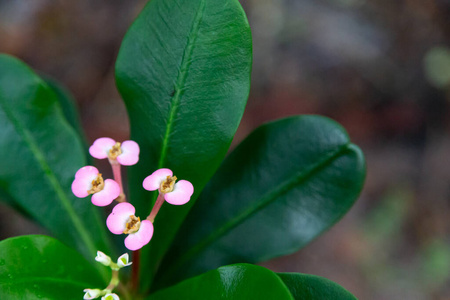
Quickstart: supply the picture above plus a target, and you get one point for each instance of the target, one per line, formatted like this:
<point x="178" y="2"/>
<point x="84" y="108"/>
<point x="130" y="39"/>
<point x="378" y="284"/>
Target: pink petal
<point x="101" y="147"/>
<point x="130" y="153"/>
<point x="110" y="192"/>
<point x="83" y="181"/>
<point x="181" y="193"/>
<point x="153" y="181"/>
<point x="119" y="216"/>
<point x="87" y="171"/>
<point x="137" y="240"/>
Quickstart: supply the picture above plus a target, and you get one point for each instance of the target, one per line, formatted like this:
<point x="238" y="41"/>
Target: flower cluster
<point x="122" y="220"/>
<point x="122" y="261"/>
<point x="106" y="293"/>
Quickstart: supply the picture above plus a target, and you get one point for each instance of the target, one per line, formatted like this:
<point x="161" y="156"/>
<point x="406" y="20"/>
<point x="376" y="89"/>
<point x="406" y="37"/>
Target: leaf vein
<point x="51" y="177"/>
<point x="181" y="79"/>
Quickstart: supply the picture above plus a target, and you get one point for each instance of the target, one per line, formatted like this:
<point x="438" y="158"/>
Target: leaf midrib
<point x="49" y="175"/>
<point x="181" y="79"/>
<point x="179" y="83"/>
<point x="265" y="200"/>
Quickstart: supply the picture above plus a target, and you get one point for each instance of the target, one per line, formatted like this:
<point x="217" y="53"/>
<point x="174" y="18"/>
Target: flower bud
<point x="92" y="293"/>
<point x="103" y="258"/>
<point x="123" y="261"/>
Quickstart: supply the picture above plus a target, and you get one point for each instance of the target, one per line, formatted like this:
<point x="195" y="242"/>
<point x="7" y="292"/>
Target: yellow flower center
<point x="97" y="185"/>
<point x="115" y="151"/>
<point x="132" y="225"/>
<point x="168" y="184"/>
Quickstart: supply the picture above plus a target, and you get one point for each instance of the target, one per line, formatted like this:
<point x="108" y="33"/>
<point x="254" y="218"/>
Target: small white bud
<point x="110" y="297"/>
<point x="123" y="261"/>
<point x="92" y="293"/>
<point x="103" y="258"/>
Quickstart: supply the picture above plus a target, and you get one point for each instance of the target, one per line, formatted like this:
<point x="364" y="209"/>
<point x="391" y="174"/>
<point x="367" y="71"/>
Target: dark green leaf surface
<point x="40" y="267"/>
<point x="68" y="106"/>
<point x="184" y="73"/>
<point x="283" y="186"/>
<point x="235" y="282"/>
<point x="311" y="287"/>
<point x="70" y="111"/>
<point x="40" y="154"/>
<point x="67" y="103"/>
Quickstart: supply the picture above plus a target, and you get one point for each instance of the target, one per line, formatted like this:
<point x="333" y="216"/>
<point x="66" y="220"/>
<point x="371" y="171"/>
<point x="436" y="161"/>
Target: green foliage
<point x="435" y="264"/>
<point x="244" y="281"/>
<point x="310" y="287"/>
<point x="68" y="106"/>
<point x="235" y="282"/>
<point x="39" y="267"/>
<point x="40" y="154"/>
<point x="437" y="67"/>
<point x="184" y="73"/>
<point x="283" y="186"/>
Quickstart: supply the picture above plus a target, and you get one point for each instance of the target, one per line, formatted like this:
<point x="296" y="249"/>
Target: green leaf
<point x="184" y="73"/>
<point x="288" y="182"/>
<point x="67" y="103"/>
<point x="40" y="267"/>
<point x="40" y="154"/>
<point x="68" y="106"/>
<point x="70" y="111"/>
<point x="235" y="282"/>
<point x="311" y="287"/>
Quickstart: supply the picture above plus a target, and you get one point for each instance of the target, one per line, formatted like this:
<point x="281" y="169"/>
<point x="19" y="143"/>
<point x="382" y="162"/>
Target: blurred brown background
<point x="379" y="67"/>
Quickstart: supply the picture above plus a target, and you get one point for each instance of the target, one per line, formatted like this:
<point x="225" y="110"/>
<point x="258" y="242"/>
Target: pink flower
<point x="126" y="154"/>
<point x="89" y="181"/>
<point x="177" y="193"/>
<point x="122" y="220"/>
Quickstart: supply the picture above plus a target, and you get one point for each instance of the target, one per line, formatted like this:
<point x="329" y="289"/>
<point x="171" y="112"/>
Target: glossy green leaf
<point x="184" y="73"/>
<point x="311" y="287"/>
<point x="288" y="182"/>
<point x="70" y="111"/>
<point x="235" y="282"/>
<point x="40" y="154"/>
<point x="67" y="103"/>
<point x="40" y="267"/>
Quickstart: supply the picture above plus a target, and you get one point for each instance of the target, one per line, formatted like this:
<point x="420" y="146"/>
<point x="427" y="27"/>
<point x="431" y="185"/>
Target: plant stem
<point x="118" y="178"/>
<point x="159" y="202"/>
<point x="135" y="270"/>
<point x="114" y="280"/>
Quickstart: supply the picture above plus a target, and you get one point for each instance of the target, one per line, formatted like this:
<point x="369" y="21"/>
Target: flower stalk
<point x="159" y="202"/>
<point x="118" y="178"/>
<point x="114" y="281"/>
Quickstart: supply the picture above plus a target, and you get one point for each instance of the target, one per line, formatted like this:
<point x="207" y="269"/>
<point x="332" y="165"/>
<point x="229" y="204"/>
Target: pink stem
<point x="118" y="178"/>
<point x="159" y="202"/>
